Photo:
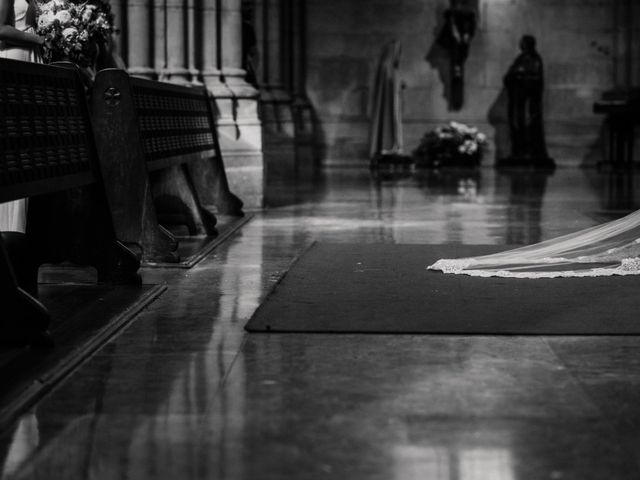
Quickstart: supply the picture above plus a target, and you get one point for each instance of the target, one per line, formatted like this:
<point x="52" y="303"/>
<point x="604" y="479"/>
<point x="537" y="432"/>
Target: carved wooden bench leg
<point x="210" y="181"/>
<point x="177" y="201"/>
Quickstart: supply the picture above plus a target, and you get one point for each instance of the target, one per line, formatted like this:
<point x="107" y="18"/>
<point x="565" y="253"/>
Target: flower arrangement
<point x="72" y="31"/>
<point x="454" y="144"/>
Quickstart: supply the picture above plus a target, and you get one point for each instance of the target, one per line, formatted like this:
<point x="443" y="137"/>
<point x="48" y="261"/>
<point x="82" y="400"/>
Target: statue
<point x="385" y="142"/>
<point x="459" y="28"/>
<point x="524" y="82"/>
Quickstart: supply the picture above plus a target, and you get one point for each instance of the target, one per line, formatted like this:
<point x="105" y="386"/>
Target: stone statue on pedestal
<point x="524" y="82"/>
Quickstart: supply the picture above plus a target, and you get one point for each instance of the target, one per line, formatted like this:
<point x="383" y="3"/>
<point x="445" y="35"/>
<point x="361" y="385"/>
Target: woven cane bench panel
<point x="43" y="127"/>
<point x="174" y="121"/>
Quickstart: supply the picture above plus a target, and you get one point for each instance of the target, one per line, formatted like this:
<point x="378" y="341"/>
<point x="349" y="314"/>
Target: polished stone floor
<point x="184" y="393"/>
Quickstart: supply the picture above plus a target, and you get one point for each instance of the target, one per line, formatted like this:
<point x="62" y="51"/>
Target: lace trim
<point x="628" y="266"/>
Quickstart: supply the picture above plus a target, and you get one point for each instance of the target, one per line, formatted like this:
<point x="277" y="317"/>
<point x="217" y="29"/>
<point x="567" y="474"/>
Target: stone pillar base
<point x="142" y="72"/>
<point x="177" y="75"/>
<point x="276" y="111"/>
<point x="240" y="134"/>
<point x="278" y="130"/>
<point x="279" y="156"/>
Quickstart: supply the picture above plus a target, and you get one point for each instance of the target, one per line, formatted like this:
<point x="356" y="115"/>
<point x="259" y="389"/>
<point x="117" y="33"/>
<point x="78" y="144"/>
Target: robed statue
<point x="385" y="142"/>
<point x="524" y="83"/>
<point x="455" y="38"/>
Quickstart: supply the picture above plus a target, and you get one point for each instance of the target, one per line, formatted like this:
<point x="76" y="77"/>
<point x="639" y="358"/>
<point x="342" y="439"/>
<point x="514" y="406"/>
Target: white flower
<point x="46" y="7"/>
<point x="481" y="137"/>
<point x="46" y="20"/>
<point x="88" y="12"/>
<point x="64" y="17"/>
<point x="69" y="32"/>
<point x="52" y="6"/>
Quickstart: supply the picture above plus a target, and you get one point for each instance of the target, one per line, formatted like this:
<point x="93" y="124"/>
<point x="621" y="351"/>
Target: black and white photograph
<point x="319" y="239"/>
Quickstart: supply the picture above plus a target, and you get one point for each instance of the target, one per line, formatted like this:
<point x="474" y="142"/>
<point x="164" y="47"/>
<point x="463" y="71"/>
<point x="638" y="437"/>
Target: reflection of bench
<point x="47" y="153"/>
<point x="152" y="136"/>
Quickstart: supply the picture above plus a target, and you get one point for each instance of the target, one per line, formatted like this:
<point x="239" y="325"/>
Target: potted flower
<point x="454" y="144"/>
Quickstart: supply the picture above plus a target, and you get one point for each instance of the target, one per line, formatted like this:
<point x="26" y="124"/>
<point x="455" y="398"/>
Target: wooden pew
<point x="152" y="138"/>
<point x="47" y="153"/>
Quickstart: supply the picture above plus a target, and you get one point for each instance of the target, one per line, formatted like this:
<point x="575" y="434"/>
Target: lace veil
<point x="612" y="248"/>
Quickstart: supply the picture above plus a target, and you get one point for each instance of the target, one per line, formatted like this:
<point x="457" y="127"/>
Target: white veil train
<point x="612" y="248"/>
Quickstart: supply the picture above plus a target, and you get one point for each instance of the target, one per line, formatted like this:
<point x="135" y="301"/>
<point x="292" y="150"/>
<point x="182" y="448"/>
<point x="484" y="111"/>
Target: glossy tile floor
<point x="184" y="393"/>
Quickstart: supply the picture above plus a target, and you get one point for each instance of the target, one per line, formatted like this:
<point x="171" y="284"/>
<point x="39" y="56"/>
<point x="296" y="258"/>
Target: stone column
<point x="299" y="49"/>
<point x="239" y="127"/>
<point x="160" y="39"/>
<point x="274" y="39"/>
<point x="231" y="38"/>
<point x="207" y="11"/>
<point x="287" y="46"/>
<point x="177" y="41"/>
<point x="194" y="33"/>
<point x="140" y="34"/>
<point x="275" y="101"/>
<point x="264" y="26"/>
<point x="259" y="22"/>
<point x="306" y="156"/>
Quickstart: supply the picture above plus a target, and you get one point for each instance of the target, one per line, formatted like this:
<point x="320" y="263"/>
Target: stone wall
<point x="581" y="42"/>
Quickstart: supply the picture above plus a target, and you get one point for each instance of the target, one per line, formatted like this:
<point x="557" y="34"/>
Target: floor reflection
<point x="524" y="210"/>
<point x="412" y="462"/>
<point x="184" y="393"/>
<point x="21" y="445"/>
<point x="620" y="192"/>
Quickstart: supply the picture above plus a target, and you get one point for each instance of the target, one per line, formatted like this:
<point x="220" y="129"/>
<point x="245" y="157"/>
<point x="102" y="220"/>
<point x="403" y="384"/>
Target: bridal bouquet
<point x="72" y="31"/>
<point x="454" y="144"/>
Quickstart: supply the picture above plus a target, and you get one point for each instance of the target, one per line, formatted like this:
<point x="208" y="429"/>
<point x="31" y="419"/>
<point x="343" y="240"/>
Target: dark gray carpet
<point x="385" y="288"/>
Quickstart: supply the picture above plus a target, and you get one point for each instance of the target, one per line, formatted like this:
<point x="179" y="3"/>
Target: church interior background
<point x="185" y="392"/>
